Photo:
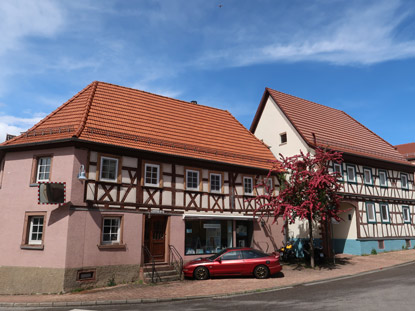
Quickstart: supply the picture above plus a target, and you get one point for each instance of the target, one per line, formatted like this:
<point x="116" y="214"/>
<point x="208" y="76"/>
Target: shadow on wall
<point x="269" y="244"/>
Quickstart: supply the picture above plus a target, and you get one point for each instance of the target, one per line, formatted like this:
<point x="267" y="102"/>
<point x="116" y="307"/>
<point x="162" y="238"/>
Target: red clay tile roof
<point x="332" y="128"/>
<point x="407" y="150"/>
<point x="111" y="114"/>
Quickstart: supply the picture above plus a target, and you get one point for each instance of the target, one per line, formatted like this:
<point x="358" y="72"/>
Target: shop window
<point x="243" y="233"/>
<point x="207" y="236"/>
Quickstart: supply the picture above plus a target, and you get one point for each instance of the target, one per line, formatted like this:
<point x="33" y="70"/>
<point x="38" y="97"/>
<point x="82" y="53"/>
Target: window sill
<point x="282" y="144"/>
<point x="153" y="186"/>
<point x="112" y="246"/>
<point x="34" y="247"/>
<point x="33" y="185"/>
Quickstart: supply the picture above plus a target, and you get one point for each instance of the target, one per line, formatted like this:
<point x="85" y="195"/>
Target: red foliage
<point x="310" y="191"/>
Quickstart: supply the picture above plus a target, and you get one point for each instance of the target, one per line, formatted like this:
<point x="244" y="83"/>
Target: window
<point x="269" y="184"/>
<point x="86" y="275"/>
<point x="383" y="179"/>
<point x="192" y="180"/>
<point x="207" y="236"/>
<point x="248" y="186"/>
<point x="283" y="138"/>
<point x="251" y="254"/>
<point x="384" y="212"/>
<point x="152" y="175"/>
<point x="232" y="255"/>
<point x="370" y="212"/>
<point x="108" y="169"/>
<point x="406" y="214"/>
<point x="367" y="176"/>
<point x="34" y="230"/>
<point x="351" y="174"/>
<point x="111" y="230"/>
<point x="404" y="181"/>
<point x="337" y="168"/>
<point x="1" y="171"/>
<point x="43" y="165"/>
<point x="381" y="244"/>
<point x="215" y="182"/>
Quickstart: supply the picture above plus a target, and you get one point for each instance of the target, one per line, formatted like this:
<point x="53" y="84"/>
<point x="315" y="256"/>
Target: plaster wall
<point x="18" y="196"/>
<point x="272" y="123"/>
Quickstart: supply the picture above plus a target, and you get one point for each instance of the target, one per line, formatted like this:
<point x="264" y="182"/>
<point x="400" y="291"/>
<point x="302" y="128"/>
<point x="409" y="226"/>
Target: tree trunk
<point x="310" y="230"/>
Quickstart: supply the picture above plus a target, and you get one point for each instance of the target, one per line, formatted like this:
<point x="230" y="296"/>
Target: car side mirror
<point x="219" y="260"/>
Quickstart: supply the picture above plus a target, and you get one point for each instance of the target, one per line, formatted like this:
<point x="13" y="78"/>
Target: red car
<point x="234" y="261"/>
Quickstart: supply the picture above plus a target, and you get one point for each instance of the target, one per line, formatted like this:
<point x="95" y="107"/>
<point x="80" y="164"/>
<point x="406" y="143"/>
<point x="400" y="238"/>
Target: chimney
<point x="194" y="102"/>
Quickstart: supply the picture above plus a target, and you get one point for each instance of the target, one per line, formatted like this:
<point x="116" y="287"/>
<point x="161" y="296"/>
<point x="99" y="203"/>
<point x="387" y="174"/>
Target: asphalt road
<point x="389" y="289"/>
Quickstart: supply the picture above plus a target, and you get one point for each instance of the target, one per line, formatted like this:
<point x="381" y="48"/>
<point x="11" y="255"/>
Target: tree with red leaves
<point x="309" y="191"/>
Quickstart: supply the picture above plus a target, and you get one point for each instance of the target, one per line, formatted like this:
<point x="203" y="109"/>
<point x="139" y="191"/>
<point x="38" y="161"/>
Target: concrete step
<point x="161" y="273"/>
<point x="170" y="278"/>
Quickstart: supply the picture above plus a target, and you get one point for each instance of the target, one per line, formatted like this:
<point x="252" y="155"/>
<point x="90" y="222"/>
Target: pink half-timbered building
<point x="378" y="182"/>
<point x="147" y="179"/>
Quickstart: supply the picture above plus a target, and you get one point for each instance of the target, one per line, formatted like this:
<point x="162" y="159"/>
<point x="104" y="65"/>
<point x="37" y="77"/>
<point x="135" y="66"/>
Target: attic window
<point x="283" y="138"/>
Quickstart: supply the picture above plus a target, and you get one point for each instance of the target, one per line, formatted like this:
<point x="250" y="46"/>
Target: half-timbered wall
<point x="130" y="192"/>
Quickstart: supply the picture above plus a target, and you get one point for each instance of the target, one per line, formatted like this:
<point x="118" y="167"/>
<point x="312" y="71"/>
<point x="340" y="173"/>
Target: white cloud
<point x="15" y="125"/>
<point x="22" y="18"/>
<point x="362" y="35"/>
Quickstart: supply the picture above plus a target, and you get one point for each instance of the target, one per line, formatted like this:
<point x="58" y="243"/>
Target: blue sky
<point x="357" y="56"/>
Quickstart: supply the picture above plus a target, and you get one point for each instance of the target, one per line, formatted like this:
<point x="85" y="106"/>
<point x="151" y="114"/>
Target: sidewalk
<point x="135" y="293"/>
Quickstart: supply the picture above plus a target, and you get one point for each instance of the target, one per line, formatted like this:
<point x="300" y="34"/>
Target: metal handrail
<point x="175" y="260"/>
<point x="153" y="264"/>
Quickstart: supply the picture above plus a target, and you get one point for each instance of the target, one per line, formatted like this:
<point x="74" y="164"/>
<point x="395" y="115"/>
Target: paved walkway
<point x="189" y="289"/>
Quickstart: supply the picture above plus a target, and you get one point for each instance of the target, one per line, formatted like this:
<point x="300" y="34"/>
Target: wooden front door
<point x="155" y="237"/>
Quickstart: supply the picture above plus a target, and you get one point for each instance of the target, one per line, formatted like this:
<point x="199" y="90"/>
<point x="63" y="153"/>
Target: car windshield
<point x="213" y="257"/>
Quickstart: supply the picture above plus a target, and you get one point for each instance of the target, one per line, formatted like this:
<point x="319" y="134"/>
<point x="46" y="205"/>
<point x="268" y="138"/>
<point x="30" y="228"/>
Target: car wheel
<point x="261" y="272"/>
<point x="201" y="273"/>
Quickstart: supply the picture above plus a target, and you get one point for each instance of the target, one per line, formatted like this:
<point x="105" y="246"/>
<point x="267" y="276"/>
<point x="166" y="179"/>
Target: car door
<point x="230" y="263"/>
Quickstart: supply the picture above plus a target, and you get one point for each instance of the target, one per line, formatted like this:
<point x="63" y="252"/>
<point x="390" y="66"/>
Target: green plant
<point x="374" y="252"/>
<point x="111" y="281"/>
<point x="365" y="254"/>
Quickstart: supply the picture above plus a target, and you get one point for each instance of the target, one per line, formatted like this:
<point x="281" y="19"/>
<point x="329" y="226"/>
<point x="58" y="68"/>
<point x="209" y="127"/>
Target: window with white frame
<point x="337" y="168"/>
<point x="35" y="236"/>
<point x="351" y="174"/>
<point x="152" y="175"/>
<point x="248" y="186"/>
<point x="406" y="214"/>
<point x="367" y="176"/>
<point x="192" y="180"/>
<point x="43" y="169"/>
<point x="370" y="211"/>
<point x="384" y="212"/>
<point x="111" y="227"/>
<point x="383" y="179"/>
<point x="404" y="181"/>
<point x="108" y="169"/>
<point x="215" y="182"/>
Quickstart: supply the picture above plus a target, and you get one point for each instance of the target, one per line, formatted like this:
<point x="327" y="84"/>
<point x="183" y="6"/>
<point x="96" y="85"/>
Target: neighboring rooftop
<point x="121" y="116"/>
<point x="328" y="127"/>
<point x="407" y="150"/>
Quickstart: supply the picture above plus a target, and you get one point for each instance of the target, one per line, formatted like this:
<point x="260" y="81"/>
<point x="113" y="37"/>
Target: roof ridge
<point x="49" y="115"/>
<point x="256" y="138"/>
<point x="405" y="144"/>
<point x="269" y="89"/>
<point x="163" y="96"/>
<point x="393" y="147"/>
<point x="87" y="109"/>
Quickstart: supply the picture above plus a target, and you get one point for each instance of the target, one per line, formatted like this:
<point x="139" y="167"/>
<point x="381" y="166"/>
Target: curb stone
<point x="214" y="296"/>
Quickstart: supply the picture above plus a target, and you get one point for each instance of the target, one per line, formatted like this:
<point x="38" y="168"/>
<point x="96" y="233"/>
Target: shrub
<point x="374" y="252"/>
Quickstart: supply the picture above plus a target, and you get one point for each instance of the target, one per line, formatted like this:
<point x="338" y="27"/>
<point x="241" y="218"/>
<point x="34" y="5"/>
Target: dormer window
<point x="283" y="138"/>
